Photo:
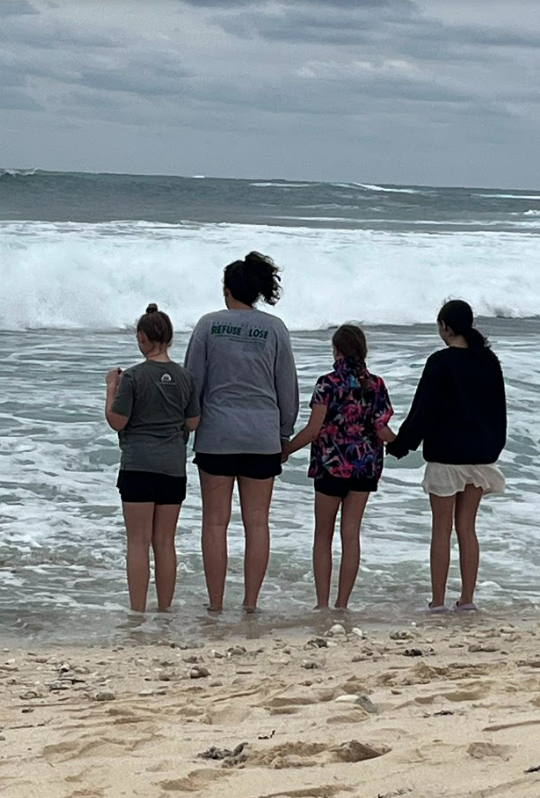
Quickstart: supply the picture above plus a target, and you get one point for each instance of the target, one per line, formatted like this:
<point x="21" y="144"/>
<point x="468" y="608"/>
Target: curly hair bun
<point x="255" y="258"/>
<point x="152" y="308"/>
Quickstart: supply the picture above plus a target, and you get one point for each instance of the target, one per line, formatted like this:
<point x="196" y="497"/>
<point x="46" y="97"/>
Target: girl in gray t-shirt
<point x="153" y="406"/>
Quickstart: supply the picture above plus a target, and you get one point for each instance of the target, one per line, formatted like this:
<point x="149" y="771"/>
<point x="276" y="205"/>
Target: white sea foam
<point x="387" y="189"/>
<point x="102" y="276"/>
<point x="280" y="185"/>
<point x="18" y="172"/>
<point x="510" y="196"/>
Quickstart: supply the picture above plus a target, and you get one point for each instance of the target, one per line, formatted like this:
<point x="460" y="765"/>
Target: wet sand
<point x="442" y="710"/>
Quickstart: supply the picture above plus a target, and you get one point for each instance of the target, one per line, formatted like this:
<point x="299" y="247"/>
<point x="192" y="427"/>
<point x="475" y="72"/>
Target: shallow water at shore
<point x="61" y="532"/>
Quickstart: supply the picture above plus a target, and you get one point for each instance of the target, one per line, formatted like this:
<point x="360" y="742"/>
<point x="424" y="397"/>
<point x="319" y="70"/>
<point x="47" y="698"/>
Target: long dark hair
<point x="458" y="315"/>
<point x="156" y="325"/>
<point x="350" y="341"/>
<point x="253" y="278"/>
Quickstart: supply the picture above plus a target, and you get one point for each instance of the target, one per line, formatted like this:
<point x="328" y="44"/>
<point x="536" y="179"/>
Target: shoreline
<point x="425" y="711"/>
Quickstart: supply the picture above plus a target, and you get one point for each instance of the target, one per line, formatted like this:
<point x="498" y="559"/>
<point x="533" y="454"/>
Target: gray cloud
<point x="245" y="87"/>
<point x="14" y="99"/>
<point x="16" y="8"/>
<point x="357" y="5"/>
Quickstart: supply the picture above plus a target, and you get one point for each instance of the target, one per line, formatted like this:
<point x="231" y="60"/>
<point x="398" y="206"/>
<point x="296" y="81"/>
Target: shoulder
<point x="272" y="321"/>
<point x="376" y="383"/>
<point x="438" y="360"/>
<point x="133" y="371"/>
<point x="182" y="372"/>
<point x="209" y="318"/>
<point x="329" y="380"/>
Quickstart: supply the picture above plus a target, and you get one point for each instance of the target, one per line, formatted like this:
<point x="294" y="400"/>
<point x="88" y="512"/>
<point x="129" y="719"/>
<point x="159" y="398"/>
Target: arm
<point x="309" y="433"/>
<point x="192" y="423"/>
<point x="119" y="399"/>
<point x="286" y="382"/>
<point x="192" y="411"/>
<point x="383" y="412"/>
<point x="413" y="429"/>
<point x="195" y="359"/>
<point x="386" y="435"/>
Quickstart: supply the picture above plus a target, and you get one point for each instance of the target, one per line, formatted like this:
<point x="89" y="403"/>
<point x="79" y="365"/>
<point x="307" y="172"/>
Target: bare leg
<point x="467" y="504"/>
<point x="139" y="519"/>
<point x="216" y="502"/>
<point x="163" y="533"/>
<point x="326" y="509"/>
<point x="255" y="498"/>
<point x="352" y="512"/>
<point x="442" y="508"/>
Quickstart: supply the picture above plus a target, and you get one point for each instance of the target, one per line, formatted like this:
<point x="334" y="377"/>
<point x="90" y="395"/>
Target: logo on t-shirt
<point x="166" y="378"/>
<point x="246" y="333"/>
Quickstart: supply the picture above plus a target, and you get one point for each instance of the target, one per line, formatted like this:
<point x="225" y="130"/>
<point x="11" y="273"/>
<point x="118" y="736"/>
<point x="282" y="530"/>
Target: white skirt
<point x="447" y="480"/>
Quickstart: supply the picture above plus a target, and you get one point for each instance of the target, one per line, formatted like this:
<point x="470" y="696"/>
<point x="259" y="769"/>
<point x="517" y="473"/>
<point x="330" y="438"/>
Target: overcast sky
<point x="403" y="91"/>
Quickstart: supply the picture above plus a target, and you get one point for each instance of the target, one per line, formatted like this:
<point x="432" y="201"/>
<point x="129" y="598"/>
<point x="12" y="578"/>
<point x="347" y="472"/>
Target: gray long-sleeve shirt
<point x="244" y="369"/>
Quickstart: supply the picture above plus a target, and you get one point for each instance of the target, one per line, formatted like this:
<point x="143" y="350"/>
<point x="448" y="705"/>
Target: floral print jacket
<point x="358" y="406"/>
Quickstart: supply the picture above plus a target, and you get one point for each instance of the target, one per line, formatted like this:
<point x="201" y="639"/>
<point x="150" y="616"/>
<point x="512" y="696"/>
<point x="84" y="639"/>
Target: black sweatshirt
<point x="459" y="409"/>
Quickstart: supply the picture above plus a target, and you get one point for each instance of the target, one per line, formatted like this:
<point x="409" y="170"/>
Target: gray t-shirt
<point x="244" y="370"/>
<point x="157" y="398"/>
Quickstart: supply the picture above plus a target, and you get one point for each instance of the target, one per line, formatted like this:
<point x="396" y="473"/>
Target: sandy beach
<point x="448" y="709"/>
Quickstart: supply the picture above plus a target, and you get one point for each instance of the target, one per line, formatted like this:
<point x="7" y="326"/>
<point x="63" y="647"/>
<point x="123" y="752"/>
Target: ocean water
<point x="80" y="258"/>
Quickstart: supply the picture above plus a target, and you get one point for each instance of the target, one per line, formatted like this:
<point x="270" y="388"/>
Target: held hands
<point x="113" y="378"/>
<point x="285" y="451"/>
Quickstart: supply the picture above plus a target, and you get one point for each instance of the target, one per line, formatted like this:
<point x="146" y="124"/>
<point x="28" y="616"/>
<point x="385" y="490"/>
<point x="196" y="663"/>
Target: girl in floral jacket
<point x="350" y="411"/>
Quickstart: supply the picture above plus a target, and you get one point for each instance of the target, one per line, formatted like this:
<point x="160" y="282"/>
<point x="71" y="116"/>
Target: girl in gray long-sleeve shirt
<point x="242" y="362"/>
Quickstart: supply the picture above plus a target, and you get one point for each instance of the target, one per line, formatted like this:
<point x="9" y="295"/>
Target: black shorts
<point x="253" y="466"/>
<point x="145" y="486"/>
<point x="340" y="487"/>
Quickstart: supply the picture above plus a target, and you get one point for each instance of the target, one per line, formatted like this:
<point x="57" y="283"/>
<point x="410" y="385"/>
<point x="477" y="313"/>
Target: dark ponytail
<point x="253" y="278"/>
<point x="458" y="315"/>
<point x="350" y="341"/>
<point x="156" y="325"/>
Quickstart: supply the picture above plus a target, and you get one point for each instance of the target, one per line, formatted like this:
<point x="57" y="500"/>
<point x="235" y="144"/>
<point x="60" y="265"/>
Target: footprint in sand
<point x="301" y="754"/>
<point x="195" y="781"/>
<point x="485" y="750"/>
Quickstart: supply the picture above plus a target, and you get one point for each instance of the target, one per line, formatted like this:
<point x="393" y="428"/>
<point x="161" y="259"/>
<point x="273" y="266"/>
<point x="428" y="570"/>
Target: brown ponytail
<point x="156" y="325"/>
<point x="350" y="341"/>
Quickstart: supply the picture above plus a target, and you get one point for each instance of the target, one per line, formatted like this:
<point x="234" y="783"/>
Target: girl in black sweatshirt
<point x="459" y="413"/>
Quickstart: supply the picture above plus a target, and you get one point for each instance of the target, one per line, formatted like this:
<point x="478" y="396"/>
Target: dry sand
<point x="452" y="710"/>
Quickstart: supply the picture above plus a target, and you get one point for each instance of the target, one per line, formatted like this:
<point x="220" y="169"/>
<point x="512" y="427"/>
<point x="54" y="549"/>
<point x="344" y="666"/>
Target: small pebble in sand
<point x="357" y="632"/>
<point x="336" y="630"/>
<point x="362" y="701"/>
<point x="236" y="651"/>
<point x="191" y="659"/>
<point x="482" y="649"/>
<point x="413" y="652"/>
<point x="310" y="665"/>
<point x="146" y="693"/>
<point x="199" y="672"/>
<point x="402" y="634"/>
<point x="30" y="695"/>
<point x="317" y="642"/>
<point x="57" y="686"/>
<point x="105" y="695"/>
<point x="64" y="668"/>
